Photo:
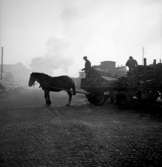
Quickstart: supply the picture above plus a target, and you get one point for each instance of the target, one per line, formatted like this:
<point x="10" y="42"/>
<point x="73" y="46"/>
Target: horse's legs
<point x="47" y="97"/>
<point x="70" y="97"/>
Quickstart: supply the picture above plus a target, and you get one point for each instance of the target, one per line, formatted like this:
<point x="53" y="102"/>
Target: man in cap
<point x="87" y="67"/>
<point x="131" y="63"/>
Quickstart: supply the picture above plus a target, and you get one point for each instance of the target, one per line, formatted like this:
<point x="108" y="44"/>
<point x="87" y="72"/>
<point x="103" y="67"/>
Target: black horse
<point x="56" y="84"/>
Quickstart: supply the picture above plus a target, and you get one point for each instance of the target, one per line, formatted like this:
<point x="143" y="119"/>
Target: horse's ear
<point x="31" y="74"/>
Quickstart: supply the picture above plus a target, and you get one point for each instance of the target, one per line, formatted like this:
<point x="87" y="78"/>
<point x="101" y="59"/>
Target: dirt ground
<point x="83" y="135"/>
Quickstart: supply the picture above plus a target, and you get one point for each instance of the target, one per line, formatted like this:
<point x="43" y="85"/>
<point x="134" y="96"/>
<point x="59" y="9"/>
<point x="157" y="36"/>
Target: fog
<point x="52" y="36"/>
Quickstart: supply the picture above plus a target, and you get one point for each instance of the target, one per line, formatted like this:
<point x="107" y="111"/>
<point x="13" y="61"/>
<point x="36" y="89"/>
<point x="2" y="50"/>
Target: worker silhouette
<point x="87" y="67"/>
<point x="131" y="63"/>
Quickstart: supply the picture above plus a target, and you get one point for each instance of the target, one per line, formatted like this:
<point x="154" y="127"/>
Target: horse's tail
<point x="73" y="87"/>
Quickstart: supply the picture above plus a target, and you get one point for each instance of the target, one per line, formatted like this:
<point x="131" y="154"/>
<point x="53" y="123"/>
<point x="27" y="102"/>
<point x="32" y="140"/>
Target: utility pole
<point x="1" y="63"/>
<point x="143" y="55"/>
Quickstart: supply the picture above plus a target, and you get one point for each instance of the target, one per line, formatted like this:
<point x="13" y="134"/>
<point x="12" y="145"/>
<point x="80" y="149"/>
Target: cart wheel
<point x="96" y="99"/>
<point x="121" y="99"/>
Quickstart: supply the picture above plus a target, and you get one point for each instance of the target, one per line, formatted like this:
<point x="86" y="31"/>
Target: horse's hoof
<point x="68" y="105"/>
<point x="48" y="105"/>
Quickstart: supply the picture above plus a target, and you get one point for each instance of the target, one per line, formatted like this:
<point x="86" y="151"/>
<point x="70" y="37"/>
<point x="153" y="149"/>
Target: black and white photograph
<point x="80" y="83"/>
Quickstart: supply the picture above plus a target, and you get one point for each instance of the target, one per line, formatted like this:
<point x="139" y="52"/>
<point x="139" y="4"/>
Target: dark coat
<point x="131" y="63"/>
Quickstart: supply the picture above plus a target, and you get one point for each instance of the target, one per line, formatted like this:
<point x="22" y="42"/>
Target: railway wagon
<point x="98" y="87"/>
<point x="143" y="86"/>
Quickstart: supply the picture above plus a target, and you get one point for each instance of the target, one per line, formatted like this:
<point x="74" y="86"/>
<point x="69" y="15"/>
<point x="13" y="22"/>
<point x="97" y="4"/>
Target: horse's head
<point x="32" y="79"/>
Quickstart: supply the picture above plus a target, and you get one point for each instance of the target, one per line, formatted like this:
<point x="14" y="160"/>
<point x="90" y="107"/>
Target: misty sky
<point x="53" y="35"/>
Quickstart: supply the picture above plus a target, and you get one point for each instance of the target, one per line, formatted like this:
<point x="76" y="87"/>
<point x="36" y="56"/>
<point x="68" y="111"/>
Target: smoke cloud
<point x="55" y="60"/>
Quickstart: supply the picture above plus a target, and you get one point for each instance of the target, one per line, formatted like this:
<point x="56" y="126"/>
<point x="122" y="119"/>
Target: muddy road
<point x="32" y="135"/>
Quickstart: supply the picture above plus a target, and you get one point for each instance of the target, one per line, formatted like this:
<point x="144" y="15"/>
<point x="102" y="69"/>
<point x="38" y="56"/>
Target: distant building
<point x="15" y="74"/>
<point x="108" y="65"/>
<point x="109" y="68"/>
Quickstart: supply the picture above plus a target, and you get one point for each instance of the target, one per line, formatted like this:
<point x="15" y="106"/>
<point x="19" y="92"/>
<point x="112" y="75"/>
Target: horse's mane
<point x="39" y="74"/>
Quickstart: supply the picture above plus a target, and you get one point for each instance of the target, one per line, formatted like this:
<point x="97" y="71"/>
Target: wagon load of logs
<point x="144" y="84"/>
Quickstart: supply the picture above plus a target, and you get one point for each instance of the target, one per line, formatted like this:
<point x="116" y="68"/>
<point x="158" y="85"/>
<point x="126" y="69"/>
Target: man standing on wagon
<point x="87" y="67"/>
<point x="131" y="63"/>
